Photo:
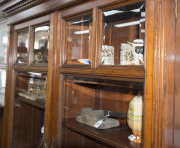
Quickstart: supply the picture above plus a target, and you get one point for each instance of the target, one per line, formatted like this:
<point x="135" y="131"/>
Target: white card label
<point x="42" y="130"/>
<point x="31" y="81"/>
<point x="132" y="137"/>
<point x="98" y="123"/>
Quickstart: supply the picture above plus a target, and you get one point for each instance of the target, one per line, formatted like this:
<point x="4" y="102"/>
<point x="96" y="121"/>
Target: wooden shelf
<point x="117" y="137"/>
<point x="125" y="73"/>
<point x="35" y="68"/>
<point x="34" y="103"/>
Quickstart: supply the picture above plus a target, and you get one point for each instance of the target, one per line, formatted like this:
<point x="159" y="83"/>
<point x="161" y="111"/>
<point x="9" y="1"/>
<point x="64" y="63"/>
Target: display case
<point x="78" y="40"/>
<point x="123" y="35"/>
<point x="29" y="109"/>
<point x="30" y="73"/>
<point x="111" y="68"/>
<point x="95" y="112"/>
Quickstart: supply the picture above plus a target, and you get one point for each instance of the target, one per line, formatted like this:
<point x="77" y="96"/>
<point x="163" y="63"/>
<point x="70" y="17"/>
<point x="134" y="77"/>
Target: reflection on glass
<point x="78" y="40"/>
<point x="3" y="42"/>
<point x="41" y="44"/>
<point x="22" y="46"/>
<point x="2" y="86"/>
<point x="30" y="100"/>
<point x="123" y="35"/>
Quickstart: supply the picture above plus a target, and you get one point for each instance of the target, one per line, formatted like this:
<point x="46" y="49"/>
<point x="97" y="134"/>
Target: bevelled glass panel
<point x="29" y="110"/>
<point x="123" y="35"/>
<point x="3" y="42"/>
<point x="78" y="40"/>
<point x="22" y="46"/>
<point x="2" y="86"/>
<point x="41" y="44"/>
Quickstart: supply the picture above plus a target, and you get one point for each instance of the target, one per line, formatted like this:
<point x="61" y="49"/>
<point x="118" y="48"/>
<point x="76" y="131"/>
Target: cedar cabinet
<point x="72" y="63"/>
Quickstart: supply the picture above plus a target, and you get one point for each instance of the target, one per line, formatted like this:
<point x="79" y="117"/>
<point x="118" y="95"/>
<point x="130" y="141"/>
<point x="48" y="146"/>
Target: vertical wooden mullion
<point x="57" y="44"/>
<point x="9" y="93"/>
<point x="149" y="60"/>
<point x="61" y="57"/>
<point x="95" y="27"/>
<point x="49" y="112"/>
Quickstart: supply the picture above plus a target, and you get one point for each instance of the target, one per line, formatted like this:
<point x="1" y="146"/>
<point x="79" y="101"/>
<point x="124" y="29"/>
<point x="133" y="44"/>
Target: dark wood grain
<point x="34" y="103"/>
<point x="28" y="121"/>
<point x="177" y="82"/>
<point x="25" y="68"/>
<point x="135" y="72"/>
<point x="116" y="137"/>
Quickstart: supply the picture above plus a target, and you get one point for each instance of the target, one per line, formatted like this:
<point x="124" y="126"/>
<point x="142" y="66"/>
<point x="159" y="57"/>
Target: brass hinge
<point x="53" y="144"/>
<point x="46" y="143"/>
<point x="176" y="8"/>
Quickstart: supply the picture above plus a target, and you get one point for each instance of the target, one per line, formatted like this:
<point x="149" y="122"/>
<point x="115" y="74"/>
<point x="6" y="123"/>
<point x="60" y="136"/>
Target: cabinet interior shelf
<point x="34" y="103"/>
<point x="117" y="137"/>
<point x="133" y="73"/>
<point x="34" y="68"/>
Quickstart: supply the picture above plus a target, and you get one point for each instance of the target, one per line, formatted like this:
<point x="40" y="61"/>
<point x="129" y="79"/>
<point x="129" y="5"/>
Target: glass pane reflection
<point x="123" y="35"/>
<point x="22" y="46"/>
<point x="78" y="40"/>
<point x="2" y="86"/>
<point x="41" y="44"/>
<point x="3" y="42"/>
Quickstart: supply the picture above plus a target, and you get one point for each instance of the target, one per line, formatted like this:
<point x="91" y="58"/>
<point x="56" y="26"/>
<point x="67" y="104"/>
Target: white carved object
<point x="132" y="53"/>
<point x="107" y="57"/>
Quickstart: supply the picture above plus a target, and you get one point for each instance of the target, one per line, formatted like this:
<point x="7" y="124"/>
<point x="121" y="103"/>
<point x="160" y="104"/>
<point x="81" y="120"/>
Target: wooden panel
<point x="27" y="124"/>
<point x="33" y="22"/>
<point x="177" y="83"/>
<point x="79" y="139"/>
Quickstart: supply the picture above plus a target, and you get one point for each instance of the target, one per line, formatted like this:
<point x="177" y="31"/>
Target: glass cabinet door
<point x="123" y="35"/>
<point x="101" y="113"/>
<point x="22" y="46"/>
<point x="29" y="110"/>
<point x="41" y="44"/>
<point x="78" y="40"/>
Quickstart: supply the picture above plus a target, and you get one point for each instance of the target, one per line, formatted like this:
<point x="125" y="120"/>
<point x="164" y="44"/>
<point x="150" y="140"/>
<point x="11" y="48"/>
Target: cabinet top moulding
<point x="33" y="8"/>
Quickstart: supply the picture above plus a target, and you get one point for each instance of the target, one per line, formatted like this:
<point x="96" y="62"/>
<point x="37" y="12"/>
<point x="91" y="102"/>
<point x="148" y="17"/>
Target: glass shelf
<point x="41" y="44"/>
<point x="78" y="40"/>
<point x="23" y="43"/>
<point x="123" y="35"/>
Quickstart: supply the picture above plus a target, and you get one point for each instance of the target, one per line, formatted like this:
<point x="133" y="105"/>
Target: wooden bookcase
<point x="79" y="75"/>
